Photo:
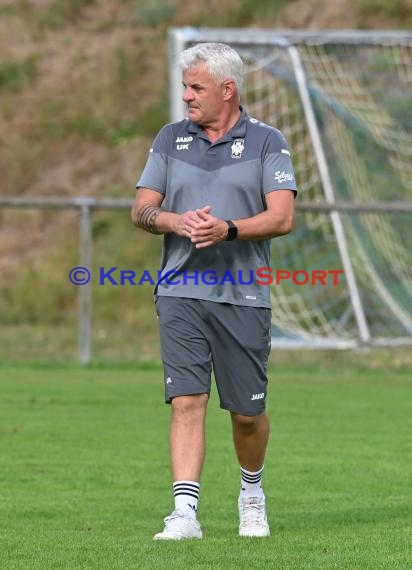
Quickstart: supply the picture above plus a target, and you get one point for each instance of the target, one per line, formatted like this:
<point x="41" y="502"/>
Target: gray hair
<point x="221" y="61"/>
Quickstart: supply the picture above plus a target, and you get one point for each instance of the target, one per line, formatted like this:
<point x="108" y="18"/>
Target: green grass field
<point x="85" y="479"/>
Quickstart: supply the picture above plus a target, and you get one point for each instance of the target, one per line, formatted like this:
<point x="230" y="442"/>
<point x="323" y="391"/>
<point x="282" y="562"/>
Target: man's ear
<point x="229" y="89"/>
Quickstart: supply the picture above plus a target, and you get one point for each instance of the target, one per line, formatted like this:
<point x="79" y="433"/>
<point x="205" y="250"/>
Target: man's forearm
<point x="146" y="218"/>
<point x="153" y="219"/>
<point x="265" y="225"/>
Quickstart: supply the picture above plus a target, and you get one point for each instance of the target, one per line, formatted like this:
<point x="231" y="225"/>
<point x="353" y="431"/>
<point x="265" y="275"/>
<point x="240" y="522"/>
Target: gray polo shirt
<point x="232" y="175"/>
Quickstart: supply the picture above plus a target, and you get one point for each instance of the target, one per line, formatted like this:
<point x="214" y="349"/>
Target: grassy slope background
<point x="83" y="87"/>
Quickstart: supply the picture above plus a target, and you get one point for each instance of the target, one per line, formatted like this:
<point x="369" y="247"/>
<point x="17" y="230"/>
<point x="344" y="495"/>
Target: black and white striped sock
<point x="186" y="494"/>
<point x="251" y="482"/>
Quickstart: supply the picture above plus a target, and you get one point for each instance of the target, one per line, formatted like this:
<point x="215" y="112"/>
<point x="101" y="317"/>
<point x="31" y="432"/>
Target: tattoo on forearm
<point x="146" y="218"/>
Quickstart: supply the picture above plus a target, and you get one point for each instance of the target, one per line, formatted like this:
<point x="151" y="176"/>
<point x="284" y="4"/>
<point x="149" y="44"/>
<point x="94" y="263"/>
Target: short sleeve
<point x="154" y="175"/>
<point x="278" y="173"/>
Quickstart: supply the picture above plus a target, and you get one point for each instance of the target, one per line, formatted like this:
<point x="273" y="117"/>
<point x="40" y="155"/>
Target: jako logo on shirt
<point x="282" y="176"/>
<point x="258" y="396"/>
<point x="185" y="140"/>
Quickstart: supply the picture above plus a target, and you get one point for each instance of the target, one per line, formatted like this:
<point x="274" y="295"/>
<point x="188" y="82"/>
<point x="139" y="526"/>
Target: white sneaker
<point x="252" y="515"/>
<point x="179" y="526"/>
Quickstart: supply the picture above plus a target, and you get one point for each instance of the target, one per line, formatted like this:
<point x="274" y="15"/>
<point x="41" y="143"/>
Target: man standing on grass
<point x="219" y="185"/>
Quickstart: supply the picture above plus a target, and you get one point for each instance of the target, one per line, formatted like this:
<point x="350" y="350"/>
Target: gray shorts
<point x="197" y="336"/>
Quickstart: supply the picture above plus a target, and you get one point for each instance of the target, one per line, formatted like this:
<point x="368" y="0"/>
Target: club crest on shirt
<point x="237" y="148"/>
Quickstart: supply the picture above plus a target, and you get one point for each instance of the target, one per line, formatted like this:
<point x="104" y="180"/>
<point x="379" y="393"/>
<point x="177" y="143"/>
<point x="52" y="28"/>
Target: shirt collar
<point x="238" y="131"/>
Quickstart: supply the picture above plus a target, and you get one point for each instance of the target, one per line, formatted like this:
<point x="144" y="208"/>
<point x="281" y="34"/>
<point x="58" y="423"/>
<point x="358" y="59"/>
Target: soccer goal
<point x="344" y="101"/>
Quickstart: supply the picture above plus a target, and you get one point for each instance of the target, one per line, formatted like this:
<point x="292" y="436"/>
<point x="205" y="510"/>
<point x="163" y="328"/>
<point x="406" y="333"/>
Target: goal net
<point x="344" y="102"/>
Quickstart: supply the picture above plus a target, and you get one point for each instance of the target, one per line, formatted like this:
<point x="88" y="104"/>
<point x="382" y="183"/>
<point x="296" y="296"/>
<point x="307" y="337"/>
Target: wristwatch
<point x="231" y="231"/>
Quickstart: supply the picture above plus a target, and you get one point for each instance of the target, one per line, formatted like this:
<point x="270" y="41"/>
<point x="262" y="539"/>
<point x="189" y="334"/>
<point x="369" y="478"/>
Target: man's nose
<point x="187" y="95"/>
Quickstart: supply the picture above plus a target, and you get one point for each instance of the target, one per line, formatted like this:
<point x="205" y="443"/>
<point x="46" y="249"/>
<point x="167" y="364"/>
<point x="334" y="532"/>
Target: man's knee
<point x="248" y="423"/>
<point x="190" y="405"/>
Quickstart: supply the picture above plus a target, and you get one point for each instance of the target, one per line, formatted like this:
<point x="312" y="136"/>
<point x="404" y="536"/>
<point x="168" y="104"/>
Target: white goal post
<point x="343" y="99"/>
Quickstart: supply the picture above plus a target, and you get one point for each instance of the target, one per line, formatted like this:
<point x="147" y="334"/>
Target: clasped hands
<point x="201" y="227"/>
